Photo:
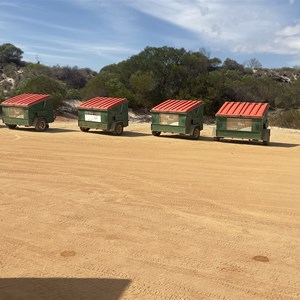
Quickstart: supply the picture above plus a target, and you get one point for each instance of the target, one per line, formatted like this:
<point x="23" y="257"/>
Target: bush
<point x="286" y="118"/>
<point x="73" y="94"/>
<point x="10" y="54"/>
<point x="41" y="84"/>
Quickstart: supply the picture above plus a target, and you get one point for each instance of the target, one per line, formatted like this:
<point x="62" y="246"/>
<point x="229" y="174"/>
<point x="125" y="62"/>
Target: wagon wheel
<point x="41" y="125"/>
<point x="84" y="129"/>
<point x="156" y="133"/>
<point x="196" y="133"/>
<point x="118" y="129"/>
<point x="11" y="126"/>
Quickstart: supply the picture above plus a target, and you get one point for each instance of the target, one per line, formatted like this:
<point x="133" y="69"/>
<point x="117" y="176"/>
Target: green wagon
<point x="178" y="116"/>
<point x="28" y="110"/>
<point x="108" y="114"/>
<point x="243" y="120"/>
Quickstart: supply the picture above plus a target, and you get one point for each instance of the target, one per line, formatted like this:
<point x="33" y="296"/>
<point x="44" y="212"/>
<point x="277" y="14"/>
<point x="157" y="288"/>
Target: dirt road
<point x="94" y="216"/>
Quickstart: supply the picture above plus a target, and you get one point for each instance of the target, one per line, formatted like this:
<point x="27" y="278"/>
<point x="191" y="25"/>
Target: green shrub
<point x="41" y="84"/>
<point x="286" y="118"/>
<point x="73" y="94"/>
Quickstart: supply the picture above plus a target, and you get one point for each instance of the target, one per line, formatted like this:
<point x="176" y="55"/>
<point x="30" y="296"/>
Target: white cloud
<point x="290" y="30"/>
<point x="220" y="21"/>
<point x="112" y="14"/>
<point x="73" y="53"/>
<point x="238" y="26"/>
<point x="287" y="41"/>
<point x="96" y="48"/>
<point x="47" y="55"/>
<point x="245" y="27"/>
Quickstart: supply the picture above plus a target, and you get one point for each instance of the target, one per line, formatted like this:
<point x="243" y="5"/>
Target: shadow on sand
<point x="259" y="143"/>
<point x="125" y="133"/>
<point x="233" y="141"/>
<point x="186" y="137"/>
<point x="62" y="288"/>
<point x="282" y="145"/>
<point x="60" y="130"/>
<point x="49" y="130"/>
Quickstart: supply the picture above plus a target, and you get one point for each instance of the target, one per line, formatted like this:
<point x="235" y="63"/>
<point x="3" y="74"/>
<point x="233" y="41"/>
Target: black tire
<point x="41" y="125"/>
<point x="196" y="133"/>
<point x="11" y="126"/>
<point x="156" y="133"/>
<point x="118" y="129"/>
<point x="84" y="129"/>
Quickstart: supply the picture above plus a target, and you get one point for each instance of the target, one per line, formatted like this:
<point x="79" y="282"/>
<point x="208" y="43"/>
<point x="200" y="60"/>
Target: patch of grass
<point x="286" y="119"/>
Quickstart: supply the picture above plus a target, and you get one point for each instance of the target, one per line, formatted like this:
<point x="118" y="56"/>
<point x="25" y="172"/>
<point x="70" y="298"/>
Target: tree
<point x="231" y="64"/>
<point x="41" y="84"/>
<point x="142" y="84"/>
<point x="214" y="64"/>
<point x="290" y="97"/>
<point x="32" y="70"/>
<point x="157" y="74"/>
<point x="170" y="70"/>
<point x="73" y="77"/>
<point x="104" y="84"/>
<point x="257" y="89"/>
<point x="253" y="63"/>
<point x="220" y="88"/>
<point x="10" y="54"/>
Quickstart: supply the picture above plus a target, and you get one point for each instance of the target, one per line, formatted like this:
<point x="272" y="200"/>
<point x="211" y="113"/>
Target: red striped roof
<point x="102" y="103"/>
<point x="177" y="105"/>
<point x="24" y="100"/>
<point x="243" y="109"/>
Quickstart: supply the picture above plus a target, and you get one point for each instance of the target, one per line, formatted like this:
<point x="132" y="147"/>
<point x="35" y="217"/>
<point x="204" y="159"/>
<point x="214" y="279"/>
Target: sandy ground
<point x="94" y="216"/>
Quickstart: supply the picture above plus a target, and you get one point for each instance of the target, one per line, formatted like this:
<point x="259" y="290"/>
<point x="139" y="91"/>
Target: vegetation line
<point x="157" y="74"/>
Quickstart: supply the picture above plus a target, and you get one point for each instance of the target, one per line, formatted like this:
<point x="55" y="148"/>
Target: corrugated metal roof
<point x="102" y="103"/>
<point x="24" y="99"/>
<point x="243" y="109"/>
<point x="177" y="105"/>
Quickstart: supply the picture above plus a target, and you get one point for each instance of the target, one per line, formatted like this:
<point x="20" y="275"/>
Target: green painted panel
<point x="20" y="115"/>
<point x="239" y="134"/>
<point x="93" y="125"/>
<point x="103" y="119"/>
<point x="238" y="127"/>
<point x="168" y="128"/>
<point x="177" y="122"/>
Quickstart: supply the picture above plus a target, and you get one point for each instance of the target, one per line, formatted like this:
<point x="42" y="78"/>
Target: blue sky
<point x="95" y="33"/>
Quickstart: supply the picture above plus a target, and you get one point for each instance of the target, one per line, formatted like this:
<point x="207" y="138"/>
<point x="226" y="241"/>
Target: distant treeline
<point x="152" y="76"/>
